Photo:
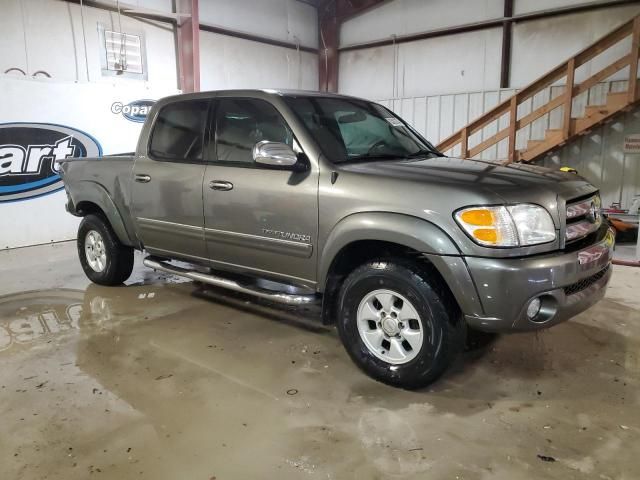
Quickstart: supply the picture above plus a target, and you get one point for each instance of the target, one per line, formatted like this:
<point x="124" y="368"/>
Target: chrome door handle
<point x="220" y="185"/>
<point x="142" y="178"/>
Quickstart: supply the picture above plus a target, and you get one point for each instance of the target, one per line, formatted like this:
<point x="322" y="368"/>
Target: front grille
<point x="583" y="218"/>
<point x="585" y="282"/>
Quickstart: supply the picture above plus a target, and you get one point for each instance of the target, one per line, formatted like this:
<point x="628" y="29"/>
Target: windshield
<point x="353" y="130"/>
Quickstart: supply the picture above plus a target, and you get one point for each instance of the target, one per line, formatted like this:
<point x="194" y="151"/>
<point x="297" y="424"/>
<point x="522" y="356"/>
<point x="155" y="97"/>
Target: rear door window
<point x="178" y="131"/>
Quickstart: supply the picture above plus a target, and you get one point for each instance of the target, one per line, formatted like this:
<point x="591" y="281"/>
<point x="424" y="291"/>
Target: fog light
<point x="534" y="308"/>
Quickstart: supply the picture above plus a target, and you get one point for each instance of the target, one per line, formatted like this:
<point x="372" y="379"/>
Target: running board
<point x="278" y="297"/>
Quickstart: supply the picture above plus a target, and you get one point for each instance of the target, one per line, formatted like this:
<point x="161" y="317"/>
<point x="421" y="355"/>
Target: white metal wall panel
<point x="404" y="17"/>
<point x="407" y="109"/>
<point x="540" y="45"/>
<point x="165" y="6"/>
<point x="433" y="119"/>
<point x="447" y="115"/>
<point x="60" y="51"/>
<point x="529" y="6"/>
<point x="420" y="114"/>
<point x="31" y="44"/>
<point x="12" y="42"/>
<point x="367" y="73"/>
<point x="599" y="156"/>
<point x="468" y="61"/>
<point x="463" y="62"/>
<point x="286" y="20"/>
<point x="438" y="116"/>
<point x="50" y="49"/>
<point x="302" y="23"/>
<point x="228" y="62"/>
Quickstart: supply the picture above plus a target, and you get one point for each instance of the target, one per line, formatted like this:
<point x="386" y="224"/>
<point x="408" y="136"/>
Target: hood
<point x="511" y="183"/>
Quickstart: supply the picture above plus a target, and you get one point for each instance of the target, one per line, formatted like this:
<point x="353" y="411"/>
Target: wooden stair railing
<point x="594" y="114"/>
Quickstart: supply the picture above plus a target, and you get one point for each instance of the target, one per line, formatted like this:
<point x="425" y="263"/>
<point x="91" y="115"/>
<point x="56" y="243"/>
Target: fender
<point x="89" y="191"/>
<point x="413" y="232"/>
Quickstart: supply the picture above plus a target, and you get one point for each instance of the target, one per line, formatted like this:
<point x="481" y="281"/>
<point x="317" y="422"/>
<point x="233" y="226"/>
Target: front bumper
<point x="566" y="283"/>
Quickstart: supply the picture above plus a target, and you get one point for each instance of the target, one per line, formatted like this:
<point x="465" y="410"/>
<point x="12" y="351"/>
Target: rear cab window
<point x="178" y="131"/>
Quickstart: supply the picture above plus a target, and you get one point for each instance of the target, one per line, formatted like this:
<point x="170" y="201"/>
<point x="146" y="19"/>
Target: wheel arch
<point x="406" y="231"/>
<point x="94" y="198"/>
<point x="363" y="237"/>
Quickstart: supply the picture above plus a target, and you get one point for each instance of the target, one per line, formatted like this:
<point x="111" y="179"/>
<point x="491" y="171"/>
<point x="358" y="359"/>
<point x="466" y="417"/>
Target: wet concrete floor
<point x="152" y="381"/>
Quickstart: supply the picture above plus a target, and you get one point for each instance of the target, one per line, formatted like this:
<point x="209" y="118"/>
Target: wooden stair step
<point x="535" y="148"/>
<point x="553" y="134"/>
<point x="592" y="110"/>
<point x="596" y="113"/>
<point x="617" y="100"/>
<point x="583" y="123"/>
<point x="580" y="124"/>
<point x="624" y="94"/>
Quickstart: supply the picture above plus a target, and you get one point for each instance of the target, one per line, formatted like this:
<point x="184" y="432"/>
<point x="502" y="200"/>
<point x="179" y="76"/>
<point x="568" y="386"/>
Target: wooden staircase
<point x="594" y="115"/>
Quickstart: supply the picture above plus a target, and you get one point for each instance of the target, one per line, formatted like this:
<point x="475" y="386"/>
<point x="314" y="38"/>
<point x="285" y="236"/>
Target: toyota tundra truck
<point x="302" y="197"/>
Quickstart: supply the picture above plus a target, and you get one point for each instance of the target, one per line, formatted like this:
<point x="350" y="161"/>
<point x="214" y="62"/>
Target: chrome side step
<point x="279" y="297"/>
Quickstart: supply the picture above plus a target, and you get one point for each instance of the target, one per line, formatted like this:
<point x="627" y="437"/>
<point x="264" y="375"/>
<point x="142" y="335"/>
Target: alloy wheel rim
<point x="95" y="251"/>
<point x="390" y="327"/>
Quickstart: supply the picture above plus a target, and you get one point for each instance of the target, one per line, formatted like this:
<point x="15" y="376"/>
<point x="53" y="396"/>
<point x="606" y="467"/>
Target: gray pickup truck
<point x="301" y="197"/>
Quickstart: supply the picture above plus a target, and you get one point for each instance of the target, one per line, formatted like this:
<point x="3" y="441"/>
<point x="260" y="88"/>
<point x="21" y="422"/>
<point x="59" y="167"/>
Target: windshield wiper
<point x="422" y="153"/>
<point x="384" y="156"/>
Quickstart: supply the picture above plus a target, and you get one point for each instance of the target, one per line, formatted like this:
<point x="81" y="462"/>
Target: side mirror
<point x="274" y="154"/>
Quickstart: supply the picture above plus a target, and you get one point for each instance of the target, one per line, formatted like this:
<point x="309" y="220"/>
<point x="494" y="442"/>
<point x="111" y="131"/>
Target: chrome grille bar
<point x="579" y="209"/>
<point x="583" y="218"/>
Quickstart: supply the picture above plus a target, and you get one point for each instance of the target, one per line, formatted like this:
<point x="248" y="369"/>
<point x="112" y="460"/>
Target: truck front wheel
<point x="104" y="259"/>
<point x="398" y="324"/>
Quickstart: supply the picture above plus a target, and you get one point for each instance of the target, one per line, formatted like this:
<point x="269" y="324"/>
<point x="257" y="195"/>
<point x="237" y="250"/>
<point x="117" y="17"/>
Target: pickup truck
<point x="302" y="197"/>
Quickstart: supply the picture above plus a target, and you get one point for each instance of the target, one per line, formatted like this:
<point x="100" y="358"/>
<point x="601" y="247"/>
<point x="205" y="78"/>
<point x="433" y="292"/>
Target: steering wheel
<point x="375" y="146"/>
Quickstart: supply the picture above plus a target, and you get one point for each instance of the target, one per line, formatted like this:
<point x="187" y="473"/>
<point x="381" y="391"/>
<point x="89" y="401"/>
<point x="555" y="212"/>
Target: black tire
<point x="438" y="312"/>
<point x="119" y="258"/>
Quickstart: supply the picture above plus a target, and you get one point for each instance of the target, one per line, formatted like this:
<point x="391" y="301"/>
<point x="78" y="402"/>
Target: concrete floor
<point x="150" y="381"/>
<point x="627" y="252"/>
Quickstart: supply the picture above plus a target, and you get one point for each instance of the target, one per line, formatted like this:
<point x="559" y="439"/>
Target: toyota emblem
<point x="594" y="213"/>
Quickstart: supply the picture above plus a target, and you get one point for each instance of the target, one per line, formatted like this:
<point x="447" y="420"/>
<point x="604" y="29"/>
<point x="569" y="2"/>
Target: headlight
<point x="510" y="226"/>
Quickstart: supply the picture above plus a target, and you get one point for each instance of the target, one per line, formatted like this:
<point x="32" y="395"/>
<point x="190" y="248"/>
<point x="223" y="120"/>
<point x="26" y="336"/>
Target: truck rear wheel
<point x="104" y="259"/>
<point x="398" y="324"/>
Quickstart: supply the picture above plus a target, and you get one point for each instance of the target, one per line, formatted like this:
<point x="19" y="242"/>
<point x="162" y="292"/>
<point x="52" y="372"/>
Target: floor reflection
<point x="44" y="315"/>
<point x="164" y="380"/>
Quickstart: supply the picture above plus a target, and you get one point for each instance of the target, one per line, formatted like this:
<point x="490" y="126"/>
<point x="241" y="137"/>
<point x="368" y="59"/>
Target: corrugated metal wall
<point x="599" y="156"/>
<point x="438" y="116"/>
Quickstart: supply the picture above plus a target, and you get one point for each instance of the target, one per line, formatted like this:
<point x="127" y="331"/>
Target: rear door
<point x="167" y="182"/>
<point x="258" y="219"/>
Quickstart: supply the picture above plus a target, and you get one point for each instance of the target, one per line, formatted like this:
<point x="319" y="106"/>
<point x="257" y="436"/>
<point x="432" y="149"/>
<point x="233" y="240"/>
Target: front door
<point x="167" y="183"/>
<point x="257" y="218"/>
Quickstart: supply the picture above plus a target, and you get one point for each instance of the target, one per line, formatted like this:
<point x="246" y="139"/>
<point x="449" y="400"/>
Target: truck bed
<point x="100" y="177"/>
